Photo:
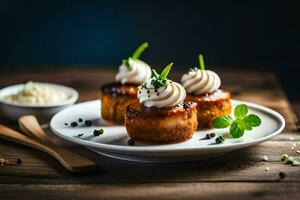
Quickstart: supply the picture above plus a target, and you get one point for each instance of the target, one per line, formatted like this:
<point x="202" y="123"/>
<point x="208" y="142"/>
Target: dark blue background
<point x="45" y="34"/>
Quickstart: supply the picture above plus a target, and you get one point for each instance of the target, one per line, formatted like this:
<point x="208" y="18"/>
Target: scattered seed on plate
<point x="79" y="135"/>
<point x="282" y="175"/>
<point x="289" y="160"/>
<point x="131" y="142"/>
<point x="74" y="124"/>
<point x="66" y="124"/>
<point x="80" y="120"/>
<point x="88" y="122"/>
<point x="98" y="132"/>
<point x="292" y="148"/>
<point x="265" y="158"/>
<point x="296" y="162"/>
<point x="284" y="157"/>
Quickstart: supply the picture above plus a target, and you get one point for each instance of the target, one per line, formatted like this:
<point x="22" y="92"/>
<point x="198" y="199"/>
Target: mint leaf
<point x="139" y="50"/>
<point x="246" y="126"/>
<point x="222" y="121"/>
<point x="166" y="71"/>
<point x="252" y="121"/>
<point x="242" y="122"/>
<point x="236" y="130"/>
<point x="240" y="111"/>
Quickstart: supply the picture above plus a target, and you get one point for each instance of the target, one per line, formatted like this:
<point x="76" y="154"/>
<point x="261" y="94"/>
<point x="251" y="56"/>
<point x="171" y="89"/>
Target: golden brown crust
<point x="209" y="106"/>
<point x="115" y="97"/>
<point x="119" y="89"/>
<point x="167" y="125"/>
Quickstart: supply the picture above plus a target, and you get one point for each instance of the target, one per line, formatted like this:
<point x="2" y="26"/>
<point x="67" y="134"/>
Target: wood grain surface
<point x="238" y="175"/>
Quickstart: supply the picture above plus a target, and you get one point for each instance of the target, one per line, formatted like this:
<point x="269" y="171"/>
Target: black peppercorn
<point x="19" y="161"/>
<point x="79" y="135"/>
<point x="282" y="175"/>
<point x="131" y="142"/>
<point x="98" y="132"/>
<point x="80" y="120"/>
<point x="74" y="124"/>
<point x="210" y="135"/>
<point x="88" y="122"/>
<point x="220" y="139"/>
<point x="66" y="124"/>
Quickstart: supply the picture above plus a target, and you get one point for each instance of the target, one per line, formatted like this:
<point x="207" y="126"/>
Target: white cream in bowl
<point x="37" y="94"/>
<point x="40" y="99"/>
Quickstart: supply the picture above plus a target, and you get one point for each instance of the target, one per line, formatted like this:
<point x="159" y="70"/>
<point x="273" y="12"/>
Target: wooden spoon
<point x="31" y="127"/>
<point x="69" y="160"/>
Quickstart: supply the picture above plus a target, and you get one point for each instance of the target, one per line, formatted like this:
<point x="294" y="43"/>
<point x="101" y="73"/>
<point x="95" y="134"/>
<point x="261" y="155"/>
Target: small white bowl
<point x="42" y="112"/>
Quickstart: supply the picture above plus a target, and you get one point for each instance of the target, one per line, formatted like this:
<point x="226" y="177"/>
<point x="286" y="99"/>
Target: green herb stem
<point x="161" y="79"/>
<point x="166" y="70"/>
<point x="201" y="62"/>
<point x="139" y="50"/>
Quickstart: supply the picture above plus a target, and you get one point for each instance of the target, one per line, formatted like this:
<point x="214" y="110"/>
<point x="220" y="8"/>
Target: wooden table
<point x="237" y="175"/>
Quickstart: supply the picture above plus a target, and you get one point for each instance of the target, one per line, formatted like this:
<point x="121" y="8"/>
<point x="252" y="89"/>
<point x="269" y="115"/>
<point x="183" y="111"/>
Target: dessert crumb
<point x="265" y="158"/>
<point x="267" y="169"/>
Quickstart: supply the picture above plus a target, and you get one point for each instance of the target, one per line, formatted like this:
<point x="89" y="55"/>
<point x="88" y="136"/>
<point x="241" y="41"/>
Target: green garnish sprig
<point x="240" y="124"/>
<point x="201" y="64"/>
<point x="137" y="53"/>
<point x="161" y="79"/>
<point x="29" y="86"/>
<point x="290" y="160"/>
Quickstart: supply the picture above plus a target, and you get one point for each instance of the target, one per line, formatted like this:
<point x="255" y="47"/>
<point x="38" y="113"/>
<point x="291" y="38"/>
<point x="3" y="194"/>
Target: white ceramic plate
<point x="113" y="142"/>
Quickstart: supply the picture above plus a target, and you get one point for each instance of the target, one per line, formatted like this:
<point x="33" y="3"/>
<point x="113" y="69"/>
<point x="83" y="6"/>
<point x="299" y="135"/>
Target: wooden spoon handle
<point x="31" y="127"/>
<point x="72" y="162"/>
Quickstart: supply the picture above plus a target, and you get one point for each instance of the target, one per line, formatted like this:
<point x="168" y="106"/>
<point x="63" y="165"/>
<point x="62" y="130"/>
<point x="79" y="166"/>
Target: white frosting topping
<point x="165" y="96"/>
<point x="201" y="81"/>
<point x="138" y="72"/>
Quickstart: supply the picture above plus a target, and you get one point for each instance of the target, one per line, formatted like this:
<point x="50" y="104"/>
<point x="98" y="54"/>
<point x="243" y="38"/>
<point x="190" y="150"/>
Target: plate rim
<point x="110" y="147"/>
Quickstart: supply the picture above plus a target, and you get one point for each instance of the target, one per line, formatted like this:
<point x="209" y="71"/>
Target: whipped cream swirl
<point x="201" y="81"/>
<point x="165" y="96"/>
<point x="138" y="72"/>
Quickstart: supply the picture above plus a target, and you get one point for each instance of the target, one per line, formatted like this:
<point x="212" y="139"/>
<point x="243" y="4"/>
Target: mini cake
<point x="202" y="87"/>
<point x="115" y="97"/>
<point x="160" y="114"/>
